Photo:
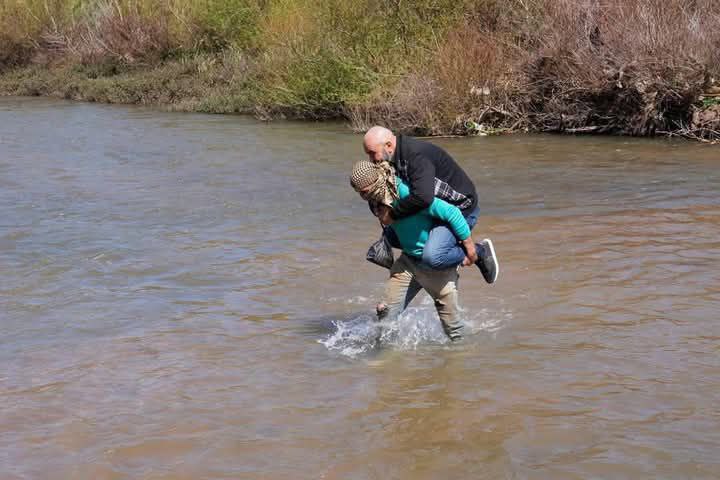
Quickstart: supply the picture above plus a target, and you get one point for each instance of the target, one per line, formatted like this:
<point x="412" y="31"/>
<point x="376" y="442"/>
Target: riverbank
<point x="434" y="67"/>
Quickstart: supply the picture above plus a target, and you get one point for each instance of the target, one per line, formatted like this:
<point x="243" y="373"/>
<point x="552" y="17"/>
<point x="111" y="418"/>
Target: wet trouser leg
<point x="442" y="287"/>
<point x="442" y="249"/>
<point x="406" y="279"/>
<point x="400" y="289"/>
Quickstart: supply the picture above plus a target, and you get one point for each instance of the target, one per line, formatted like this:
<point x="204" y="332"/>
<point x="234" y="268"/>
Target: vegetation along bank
<point x="425" y="67"/>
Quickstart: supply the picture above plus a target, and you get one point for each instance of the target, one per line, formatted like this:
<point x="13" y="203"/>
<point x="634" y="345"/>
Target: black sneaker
<point x="487" y="261"/>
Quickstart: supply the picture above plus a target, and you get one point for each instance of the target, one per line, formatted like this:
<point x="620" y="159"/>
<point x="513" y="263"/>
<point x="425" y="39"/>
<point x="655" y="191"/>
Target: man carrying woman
<point x="377" y="183"/>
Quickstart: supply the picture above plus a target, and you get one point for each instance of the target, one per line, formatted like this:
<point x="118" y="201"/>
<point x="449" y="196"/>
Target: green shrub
<point x="221" y="23"/>
<point x="314" y="86"/>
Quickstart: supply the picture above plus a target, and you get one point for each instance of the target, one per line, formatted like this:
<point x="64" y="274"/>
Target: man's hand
<point x="384" y="215"/>
<point x="469" y="246"/>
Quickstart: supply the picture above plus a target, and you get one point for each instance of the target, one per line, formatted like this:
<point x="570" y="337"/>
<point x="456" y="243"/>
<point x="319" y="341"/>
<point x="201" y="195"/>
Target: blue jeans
<point x="442" y="249"/>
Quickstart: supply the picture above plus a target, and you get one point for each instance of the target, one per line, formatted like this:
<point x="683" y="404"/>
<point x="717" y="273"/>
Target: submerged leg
<point x="412" y="290"/>
<point x="400" y="289"/>
<point x="442" y="287"/>
<point x="446" y="305"/>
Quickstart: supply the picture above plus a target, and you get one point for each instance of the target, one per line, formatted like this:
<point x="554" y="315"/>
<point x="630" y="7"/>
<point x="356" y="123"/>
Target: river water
<point x="186" y="297"/>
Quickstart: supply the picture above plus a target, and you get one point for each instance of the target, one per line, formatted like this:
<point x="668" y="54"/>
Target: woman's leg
<point x="442" y="249"/>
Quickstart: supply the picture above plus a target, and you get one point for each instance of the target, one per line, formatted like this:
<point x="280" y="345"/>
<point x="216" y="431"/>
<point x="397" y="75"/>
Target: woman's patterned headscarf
<point x="380" y="177"/>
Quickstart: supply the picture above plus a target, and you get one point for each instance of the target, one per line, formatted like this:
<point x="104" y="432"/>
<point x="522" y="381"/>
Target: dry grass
<point x="22" y="24"/>
<point x="618" y="67"/>
<point x="112" y="33"/>
<point x="634" y="67"/>
<point x="466" y="83"/>
<point x="13" y="52"/>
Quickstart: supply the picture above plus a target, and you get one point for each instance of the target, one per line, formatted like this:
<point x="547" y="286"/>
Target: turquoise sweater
<point x="413" y="231"/>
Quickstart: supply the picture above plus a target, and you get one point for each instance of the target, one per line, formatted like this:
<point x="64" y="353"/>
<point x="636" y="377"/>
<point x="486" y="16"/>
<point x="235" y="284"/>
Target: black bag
<point x="380" y="253"/>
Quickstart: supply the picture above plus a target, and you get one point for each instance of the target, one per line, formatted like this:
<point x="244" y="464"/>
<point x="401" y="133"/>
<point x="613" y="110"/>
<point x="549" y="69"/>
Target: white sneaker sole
<point x="492" y="252"/>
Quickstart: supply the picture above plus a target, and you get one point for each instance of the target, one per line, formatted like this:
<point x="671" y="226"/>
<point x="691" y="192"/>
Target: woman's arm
<point x="451" y="215"/>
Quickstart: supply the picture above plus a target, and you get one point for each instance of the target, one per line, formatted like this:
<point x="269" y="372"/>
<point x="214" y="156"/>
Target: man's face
<point x="379" y="153"/>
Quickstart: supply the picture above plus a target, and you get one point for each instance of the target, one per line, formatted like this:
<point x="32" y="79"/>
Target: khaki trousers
<point x="407" y="277"/>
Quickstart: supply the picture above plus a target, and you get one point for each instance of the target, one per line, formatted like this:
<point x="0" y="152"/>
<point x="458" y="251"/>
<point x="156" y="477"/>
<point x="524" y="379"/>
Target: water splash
<point x="486" y="320"/>
<point x="416" y="326"/>
<point x="353" y="337"/>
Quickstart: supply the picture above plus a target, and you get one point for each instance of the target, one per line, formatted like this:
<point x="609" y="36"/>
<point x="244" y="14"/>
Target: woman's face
<point x="365" y="192"/>
<point x="376" y="195"/>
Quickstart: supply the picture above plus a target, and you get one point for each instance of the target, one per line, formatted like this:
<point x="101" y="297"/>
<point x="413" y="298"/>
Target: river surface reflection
<point x="185" y="296"/>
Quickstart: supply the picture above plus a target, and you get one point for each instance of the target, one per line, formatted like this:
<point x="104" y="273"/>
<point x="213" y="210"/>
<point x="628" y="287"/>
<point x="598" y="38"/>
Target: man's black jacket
<point x="430" y="172"/>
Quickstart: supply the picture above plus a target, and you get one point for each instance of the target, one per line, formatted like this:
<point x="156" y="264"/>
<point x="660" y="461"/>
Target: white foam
<point x="353" y="337"/>
<point x="415" y="327"/>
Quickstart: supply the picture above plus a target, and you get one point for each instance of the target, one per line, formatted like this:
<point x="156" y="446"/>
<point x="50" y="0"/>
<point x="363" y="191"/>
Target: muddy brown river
<point x="186" y="297"/>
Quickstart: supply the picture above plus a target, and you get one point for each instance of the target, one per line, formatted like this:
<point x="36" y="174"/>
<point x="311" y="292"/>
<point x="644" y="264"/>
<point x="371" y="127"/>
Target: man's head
<point x="379" y="144"/>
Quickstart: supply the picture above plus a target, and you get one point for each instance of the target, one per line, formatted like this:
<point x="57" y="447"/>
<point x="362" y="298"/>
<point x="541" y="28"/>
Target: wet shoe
<point x="487" y="261"/>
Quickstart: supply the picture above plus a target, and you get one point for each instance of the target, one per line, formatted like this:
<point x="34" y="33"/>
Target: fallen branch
<point x="592" y="128"/>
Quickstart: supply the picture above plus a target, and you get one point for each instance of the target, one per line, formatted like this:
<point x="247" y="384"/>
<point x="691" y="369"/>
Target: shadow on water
<point x="326" y="324"/>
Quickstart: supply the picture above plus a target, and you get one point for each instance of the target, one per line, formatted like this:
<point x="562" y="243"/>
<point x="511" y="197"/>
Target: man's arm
<point x="422" y="188"/>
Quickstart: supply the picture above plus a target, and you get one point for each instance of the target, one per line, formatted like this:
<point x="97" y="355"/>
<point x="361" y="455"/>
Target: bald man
<point x="431" y="172"/>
